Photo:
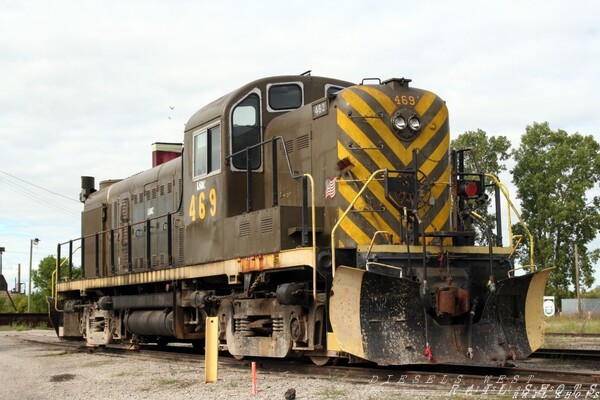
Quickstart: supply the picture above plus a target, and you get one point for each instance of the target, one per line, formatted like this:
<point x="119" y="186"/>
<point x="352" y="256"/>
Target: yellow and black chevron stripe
<point x="369" y="142"/>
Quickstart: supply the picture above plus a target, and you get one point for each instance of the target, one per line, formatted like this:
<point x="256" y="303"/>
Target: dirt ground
<point x="41" y="372"/>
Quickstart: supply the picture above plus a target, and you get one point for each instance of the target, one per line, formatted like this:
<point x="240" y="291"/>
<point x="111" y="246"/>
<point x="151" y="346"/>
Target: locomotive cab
<point x="240" y="197"/>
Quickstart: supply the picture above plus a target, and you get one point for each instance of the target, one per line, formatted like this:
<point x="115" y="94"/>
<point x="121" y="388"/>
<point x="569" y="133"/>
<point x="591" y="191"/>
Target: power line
<point x="39" y="187"/>
<point x="28" y="193"/>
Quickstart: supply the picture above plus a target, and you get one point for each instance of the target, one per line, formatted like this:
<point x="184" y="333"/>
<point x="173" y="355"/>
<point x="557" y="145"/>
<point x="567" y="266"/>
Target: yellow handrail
<point x="516" y="245"/>
<point x="54" y="279"/>
<point x="389" y="235"/>
<point x="314" y="233"/>
<point x="337" y="224"/>
<point x="512" y="207"/>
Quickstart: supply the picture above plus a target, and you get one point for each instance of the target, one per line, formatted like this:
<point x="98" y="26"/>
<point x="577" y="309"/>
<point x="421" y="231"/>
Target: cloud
<point x="86" y="87"/>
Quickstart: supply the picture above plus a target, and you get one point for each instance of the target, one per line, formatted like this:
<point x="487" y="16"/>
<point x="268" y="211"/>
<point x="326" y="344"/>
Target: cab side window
<point x="207" y="150"/>
<point x="245" y="132"/>
<point x="287" y="96"/>
<point x="332" y="89"/>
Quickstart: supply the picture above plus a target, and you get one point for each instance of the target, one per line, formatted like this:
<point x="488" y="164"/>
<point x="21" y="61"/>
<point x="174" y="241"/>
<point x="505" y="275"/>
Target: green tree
<point x="554" y="175"/>
<point x="42" y="276"/>
<point x="21" y="303"/>
<point x="5" y="306"/>
<point x="490" y="152"/>
<point x="39" y="302"/>
<point x="42" y="281"/>
<point x="488" y="155"/>
<point x="593" y="294"/>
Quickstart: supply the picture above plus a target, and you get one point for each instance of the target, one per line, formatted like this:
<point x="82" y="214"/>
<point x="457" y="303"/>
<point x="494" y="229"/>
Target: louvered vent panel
<point x="289" y="146"/>
<point x="125" y="210"/>
<point x="244" y="229"/>
<point x="266" y="225"/>
<point x="180" y="234"/>
<point x="302" y="142"/>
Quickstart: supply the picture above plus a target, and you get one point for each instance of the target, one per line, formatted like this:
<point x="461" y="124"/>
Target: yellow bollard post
<point x="211" y="354"/>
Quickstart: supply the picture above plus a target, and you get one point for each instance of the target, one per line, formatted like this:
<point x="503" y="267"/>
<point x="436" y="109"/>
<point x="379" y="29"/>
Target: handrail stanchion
<point x="304" y="241"/>
<point x="512" y="207"/>
<point x="82" y="257"/>
<point x="248" y="180"/>
<point x="129" y="251"/>
<point x="338" y="223"/>
<point x="57" y="263"/>
<point x="274" y="167"/>
<point x="70" y="259"/>
<point x="169" y="239"/>
<point x="97" y="254"/>
<point x="112" y="251"/>
<point x="148" y="244"/>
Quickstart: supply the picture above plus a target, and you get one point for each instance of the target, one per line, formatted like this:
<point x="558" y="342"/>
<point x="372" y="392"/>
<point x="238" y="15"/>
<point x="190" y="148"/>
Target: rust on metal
<point x="452" y="301"/>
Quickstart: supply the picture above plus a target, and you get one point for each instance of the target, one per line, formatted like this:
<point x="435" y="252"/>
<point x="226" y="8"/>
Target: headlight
<point x="399" y="122"/>
<point x="414" y="123"/>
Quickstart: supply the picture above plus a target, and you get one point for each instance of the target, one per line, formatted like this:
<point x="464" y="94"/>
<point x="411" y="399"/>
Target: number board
<point x="319" y="109"/>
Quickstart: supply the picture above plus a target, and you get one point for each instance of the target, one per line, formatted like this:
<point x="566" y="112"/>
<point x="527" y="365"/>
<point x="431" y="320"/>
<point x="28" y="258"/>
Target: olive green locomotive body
<point x="313" y="217"/>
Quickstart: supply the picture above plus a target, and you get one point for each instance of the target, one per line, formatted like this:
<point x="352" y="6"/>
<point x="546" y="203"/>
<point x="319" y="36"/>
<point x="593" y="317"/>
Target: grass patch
<point x="41" y="326"/>
<point x="20" y="327"/>
<point x="331" y="393"/>
<point x="572" y="324"/>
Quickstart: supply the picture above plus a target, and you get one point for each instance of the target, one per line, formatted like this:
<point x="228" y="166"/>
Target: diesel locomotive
<point x="314" y="217"/>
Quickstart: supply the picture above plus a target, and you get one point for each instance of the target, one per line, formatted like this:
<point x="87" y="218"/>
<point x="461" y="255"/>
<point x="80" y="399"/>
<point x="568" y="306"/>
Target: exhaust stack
<point x="88" y="184"/>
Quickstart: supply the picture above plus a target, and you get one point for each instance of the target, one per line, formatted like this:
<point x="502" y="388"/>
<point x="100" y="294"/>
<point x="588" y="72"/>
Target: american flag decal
<point x="330" y="188"/>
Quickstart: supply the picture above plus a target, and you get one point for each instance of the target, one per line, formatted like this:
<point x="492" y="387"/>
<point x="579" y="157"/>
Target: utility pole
<point x="31" y="243"/>
<point x="2" y="250"/>
<point x="19" y="279"/>
<point x="579" y="312"/>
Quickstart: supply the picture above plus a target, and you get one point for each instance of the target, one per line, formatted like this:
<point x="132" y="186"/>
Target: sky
<point x="86" y="87"/>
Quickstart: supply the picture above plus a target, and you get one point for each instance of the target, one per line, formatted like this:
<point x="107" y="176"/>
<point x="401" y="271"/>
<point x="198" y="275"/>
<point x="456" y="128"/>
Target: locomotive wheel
<point x="321" y="361"/>
<point x="238" y="357"/>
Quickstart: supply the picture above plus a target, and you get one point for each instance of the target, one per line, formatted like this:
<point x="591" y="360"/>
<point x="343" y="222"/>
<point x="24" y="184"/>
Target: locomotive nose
<point x="383" y="319"/>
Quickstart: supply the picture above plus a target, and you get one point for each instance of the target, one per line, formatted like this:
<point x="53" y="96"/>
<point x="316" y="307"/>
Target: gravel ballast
<point x="32" y="371"/>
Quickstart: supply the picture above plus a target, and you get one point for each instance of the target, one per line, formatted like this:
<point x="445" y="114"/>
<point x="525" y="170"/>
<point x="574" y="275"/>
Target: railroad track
<point x="519" y="380"/>
<point x="567" y="354"/>
<point x="579" y="335"/>
<point x="30" y="319"/>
